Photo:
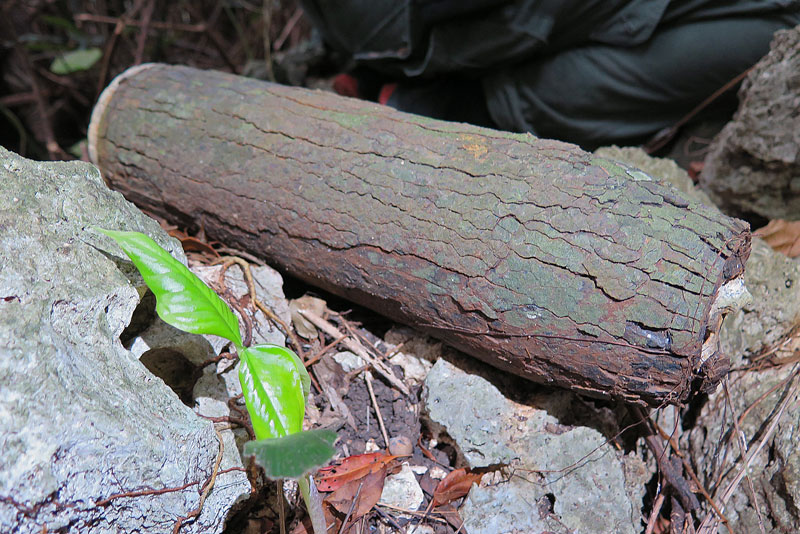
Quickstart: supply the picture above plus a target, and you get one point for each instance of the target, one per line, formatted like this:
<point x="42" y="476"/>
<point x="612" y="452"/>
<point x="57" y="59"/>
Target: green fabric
<point x="598" y="95"/>
<point x="588" y="71"/>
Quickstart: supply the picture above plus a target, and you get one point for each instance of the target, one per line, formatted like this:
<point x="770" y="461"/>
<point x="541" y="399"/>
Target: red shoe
<point x="386" y="92"/>
<point x="346" y="85"/>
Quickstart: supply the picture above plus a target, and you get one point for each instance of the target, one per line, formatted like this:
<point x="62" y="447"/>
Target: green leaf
<point x="182" y="299"/>
<point x="59" y="22"/>
<point x="75" y="61"/>
<point x="294" y="455"/>
<point x="274" y="382"/>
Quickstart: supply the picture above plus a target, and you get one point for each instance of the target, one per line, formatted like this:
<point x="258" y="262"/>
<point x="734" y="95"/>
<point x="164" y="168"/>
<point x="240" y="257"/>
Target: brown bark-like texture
<point x="529" y="254"/>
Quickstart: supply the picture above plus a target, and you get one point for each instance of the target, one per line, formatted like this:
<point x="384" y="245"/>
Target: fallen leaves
<point x="352" y="468"/>
<point x="455" y="485"/>
<point x="356" y="483"/>
<point x="357" y="497"/>
<point x="783" y="236"/>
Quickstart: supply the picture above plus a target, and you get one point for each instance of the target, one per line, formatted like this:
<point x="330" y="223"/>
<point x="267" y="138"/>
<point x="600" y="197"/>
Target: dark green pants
<point x="597" y="95"/>
<point x="592" y="72"/>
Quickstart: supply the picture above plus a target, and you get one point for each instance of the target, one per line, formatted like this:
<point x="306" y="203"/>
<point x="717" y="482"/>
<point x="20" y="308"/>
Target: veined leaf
<point x="294" y="455"/>
<point x="75" y="61"/>
<point x="182" y="299"/>
<point x="275" y="384"/>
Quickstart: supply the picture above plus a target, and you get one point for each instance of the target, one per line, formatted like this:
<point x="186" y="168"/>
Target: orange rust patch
<point x="477" y="149"/>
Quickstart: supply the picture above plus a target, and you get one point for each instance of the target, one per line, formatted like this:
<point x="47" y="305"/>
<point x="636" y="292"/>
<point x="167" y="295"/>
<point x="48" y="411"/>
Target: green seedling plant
<point x="274" y="380"/>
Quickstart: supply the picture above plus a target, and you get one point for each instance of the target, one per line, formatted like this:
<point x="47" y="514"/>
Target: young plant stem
<point x="313" y="503"/>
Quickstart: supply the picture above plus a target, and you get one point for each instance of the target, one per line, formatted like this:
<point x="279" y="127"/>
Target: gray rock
<point x="348" y="361"/>
<point x="402" y="490"/>
<point x="83" y="419"/>
<point x="571" y="479"/>
<point x="754" y="162"/>
<point x="774" y="282"/>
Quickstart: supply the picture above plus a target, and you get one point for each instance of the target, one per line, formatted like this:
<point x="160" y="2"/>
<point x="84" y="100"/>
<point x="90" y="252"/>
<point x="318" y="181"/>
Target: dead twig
<point x="670" y="471"/>
<point x="141" y="39"/>
<point x="140" y="493"/>
<point x="665" y="136"/>
<point x="688" y="468"/>
<point x="707" y="526"/>
<point x="244" y="417"/>
<point x="324" y="350"/>
<point x="352" y="507"/>
<point x="219" y="43"/>
<point x="742" y="443"/>
<point x="228" y="261"/>
<point x="654" y="513"/>
<point x="281" y="511"/>
<point x="388" y="518"/>
<point x="230" y="419"/>
<point x="158" y="25"/>
<point x="432" y="516"/>
<point x="357" y="348"/>
<point x="54" y="150"/>
<point x="368" y="379"/>
<point x="242" y="254"/>
<point x="287" y="29"/>
<point x="120" y="24"/>
<point x="224" y="355"/>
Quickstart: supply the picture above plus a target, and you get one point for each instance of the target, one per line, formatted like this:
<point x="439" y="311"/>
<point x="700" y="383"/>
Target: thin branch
<point x="742" y="443"/>
<point x="706" y="526"/>
<point x="368" y="379"/>
<point x="355" y="346"/>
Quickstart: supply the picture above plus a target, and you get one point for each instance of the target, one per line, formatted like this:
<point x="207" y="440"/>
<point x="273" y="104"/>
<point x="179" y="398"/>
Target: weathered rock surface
<point x="598" y="490"/>
<point x="83" y="419"/>
<point x="754" y="163"/>
<point x="401" y="490"/>
<point x="773" y="280"/>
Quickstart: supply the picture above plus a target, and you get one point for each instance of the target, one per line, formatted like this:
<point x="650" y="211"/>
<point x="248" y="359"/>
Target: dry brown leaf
<point x="365" y="491"/>
<point x="351" y="468"/>
<point x="455" y="485"/>
<point x="783" y="236"/>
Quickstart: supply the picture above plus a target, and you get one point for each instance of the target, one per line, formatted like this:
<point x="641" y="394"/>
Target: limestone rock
<point x="754" y="162"/>
<point x="402" y="490"/>
<point x="83" y="419"/>
<point x="348" y="360"/>
<point x="591" y="494"/>
<point x="774" y="282"/>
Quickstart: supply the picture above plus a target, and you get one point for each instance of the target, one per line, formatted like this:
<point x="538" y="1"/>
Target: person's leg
<point x="450" y="98"/>
<point x="599" y="94"/>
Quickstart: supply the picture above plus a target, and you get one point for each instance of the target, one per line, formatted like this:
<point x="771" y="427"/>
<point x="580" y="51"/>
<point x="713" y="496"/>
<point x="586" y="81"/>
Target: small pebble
<point x="401" y="446"/>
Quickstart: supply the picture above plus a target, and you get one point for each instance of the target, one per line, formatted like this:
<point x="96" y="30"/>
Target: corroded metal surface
<point x="529" y="254"/>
